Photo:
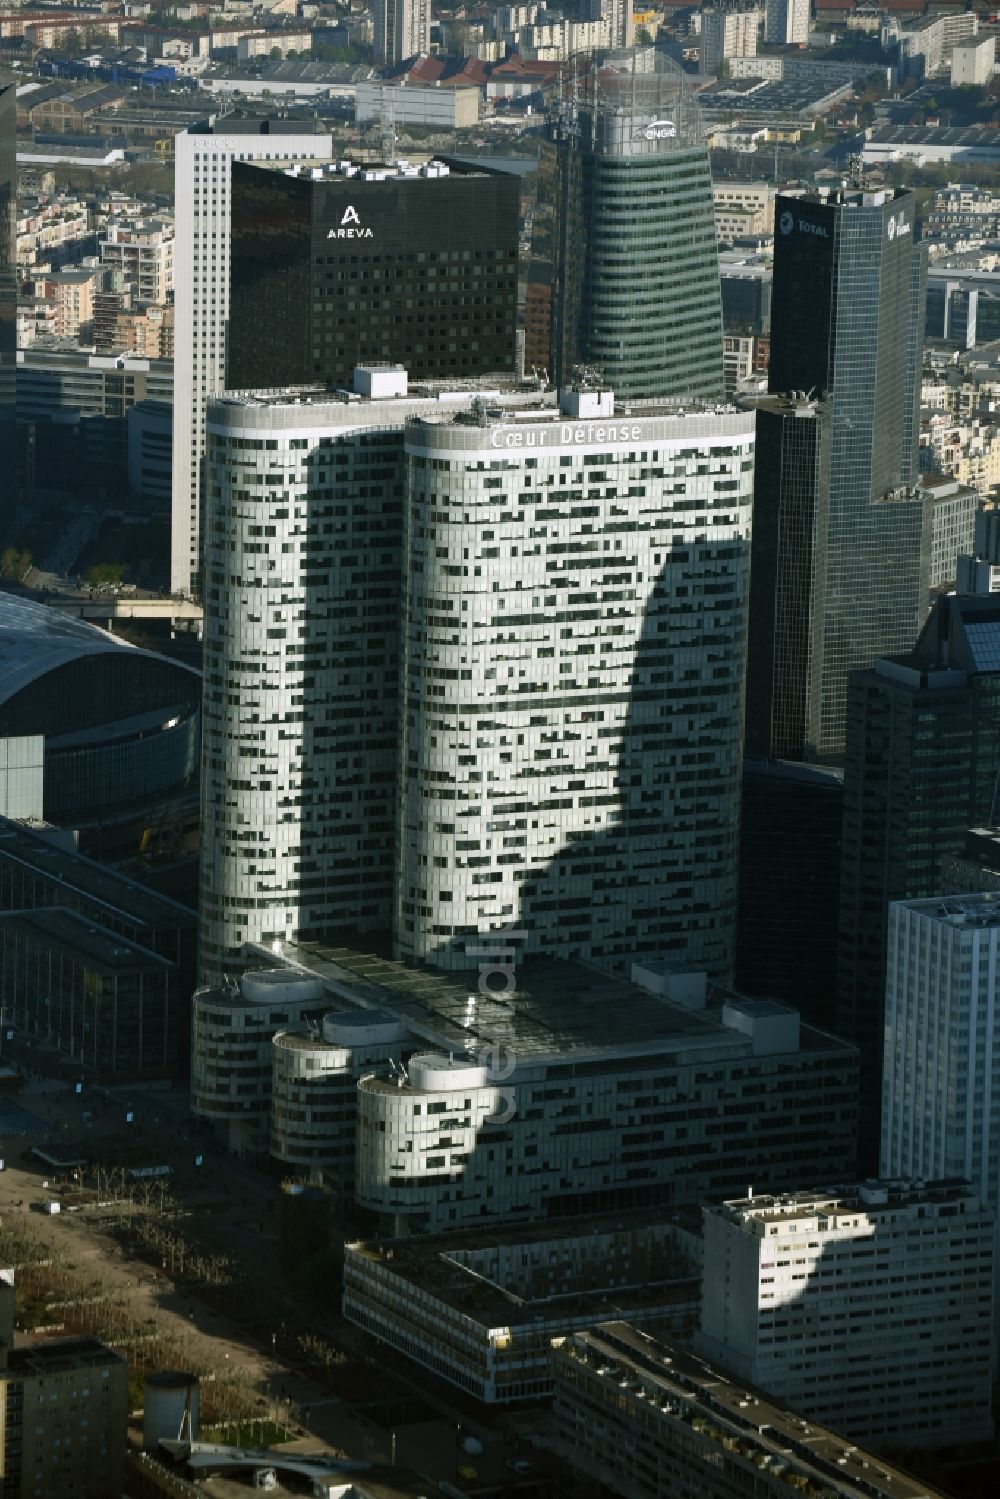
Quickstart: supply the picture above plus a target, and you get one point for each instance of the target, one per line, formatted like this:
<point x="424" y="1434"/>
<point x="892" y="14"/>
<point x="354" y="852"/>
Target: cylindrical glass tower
<point x="636" y="273"/>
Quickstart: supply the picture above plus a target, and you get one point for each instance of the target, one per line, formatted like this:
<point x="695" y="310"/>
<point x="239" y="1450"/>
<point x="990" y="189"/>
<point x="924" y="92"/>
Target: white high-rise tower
<point x="402" y="29"/>
<point x="203" y="156"/>
<point x="484" y="652"/>
<point x="787" y="23"/>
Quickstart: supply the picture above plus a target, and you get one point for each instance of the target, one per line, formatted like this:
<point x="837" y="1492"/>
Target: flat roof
<point x="558" y="1012"/>
<point x="689" y="1387"/>
<point x="58" y="1355"/>
<point x="106" y="952"/>
<point x="122" y="897"/>
<point x="450" y="1267"/>
<point x="870" y="1197"/>
<point x="978" y="910"/>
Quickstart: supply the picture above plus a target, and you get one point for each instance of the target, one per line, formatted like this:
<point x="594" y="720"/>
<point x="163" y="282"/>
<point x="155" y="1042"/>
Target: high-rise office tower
<point x="8" y="282"/>
<point x="788" y="566"/>
<point x="846" y="328"/>
<point x="563" y="598"/>
<point x="203" y="160"/>
<point x="941" y="1089"/>
<point x="922" y="757"/>
<point x="571" y="680"/>
<point x="868" y="1308"/>
<point x="336" y="267"/>
<point x="303" y="569"/>
<point x="786" y="23"/>
<point x="786" y="938"/>
<point x="636" y="270"/>
<point x="401" y="29"/>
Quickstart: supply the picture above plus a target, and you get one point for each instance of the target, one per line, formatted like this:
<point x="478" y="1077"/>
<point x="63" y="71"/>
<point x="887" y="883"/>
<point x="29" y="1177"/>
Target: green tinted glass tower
<point x="636" y="271"/>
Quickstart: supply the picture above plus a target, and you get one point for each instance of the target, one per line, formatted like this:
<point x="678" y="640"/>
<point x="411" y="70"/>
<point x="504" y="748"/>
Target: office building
<point x="606" y="547"/>
<point x="746" y="285"/>
<point x="941" y="1088"/>
<point x="73" y="415"/>
<point x="149" y="427"/>
<point x="963" y="306"/>
<point x="786" y="23"/>
<point x="463" y="1105"/>
<point x="8" y="278"/>
<point x="923" y="745"/>
<point x="203" y="157"/>
<point x="233" y="1027"/>
<point x="789" y="891"/>
<point x="341" y="266"/>
<point x="953" y="526"/>
<point x="524" y="1108"/>
<point x="314" y="1083"/>
<point x="846" y="329"/>
<point x="789" y="558"/>
<point x="401" y="29"/>
<point x="641" y="1417"/>
<point x="978" y="570"/>
<point x="729" y="29"/>
<point x="63" y="1418"/>
<point x="106" y="1004"/>
<point x="37" y="871"/>
<point x="298" y="815"/>
<point x="976" y="866"/>
<point x="869" y="1308"/>
<point x="607" y="823"/>
<point x="636" y="290"/>
<point x="480" y="1309"/>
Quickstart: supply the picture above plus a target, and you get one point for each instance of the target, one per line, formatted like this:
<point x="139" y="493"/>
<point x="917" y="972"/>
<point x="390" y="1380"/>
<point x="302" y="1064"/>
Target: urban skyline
<point x="499" y="884"/>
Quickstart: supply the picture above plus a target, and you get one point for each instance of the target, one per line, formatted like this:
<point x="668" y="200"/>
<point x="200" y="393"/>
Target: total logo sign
<point x="660" y="130"/>
<point x="898" y="226"/>
<point x="350" y="227"/>
<point x="787" y="223"/>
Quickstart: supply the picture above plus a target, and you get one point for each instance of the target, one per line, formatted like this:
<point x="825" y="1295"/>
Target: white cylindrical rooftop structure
<point x="274" y="985"/>
<point x="435" y="1073"/>
<point x="361" y="1028"/>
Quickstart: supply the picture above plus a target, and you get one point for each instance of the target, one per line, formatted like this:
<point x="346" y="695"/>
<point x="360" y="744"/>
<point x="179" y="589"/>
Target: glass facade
<point x="333" y="270"/>
<point x="847" y="326"/>
<point x="636" y="265"/>
<point x="110" y="1006"/>
<point x="786" y="940"/>
<point x="923" y="745"/>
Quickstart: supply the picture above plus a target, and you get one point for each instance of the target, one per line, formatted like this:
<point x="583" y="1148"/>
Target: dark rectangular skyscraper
<point x="8" y="286"/>
<point x="340" y="266"/>
<point x="923" y="748"/>
<point x="846" y="329"/>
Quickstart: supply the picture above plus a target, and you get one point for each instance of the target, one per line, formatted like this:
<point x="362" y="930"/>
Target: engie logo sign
<point x="350" y="226"/>
<point x="660" y="130"/>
